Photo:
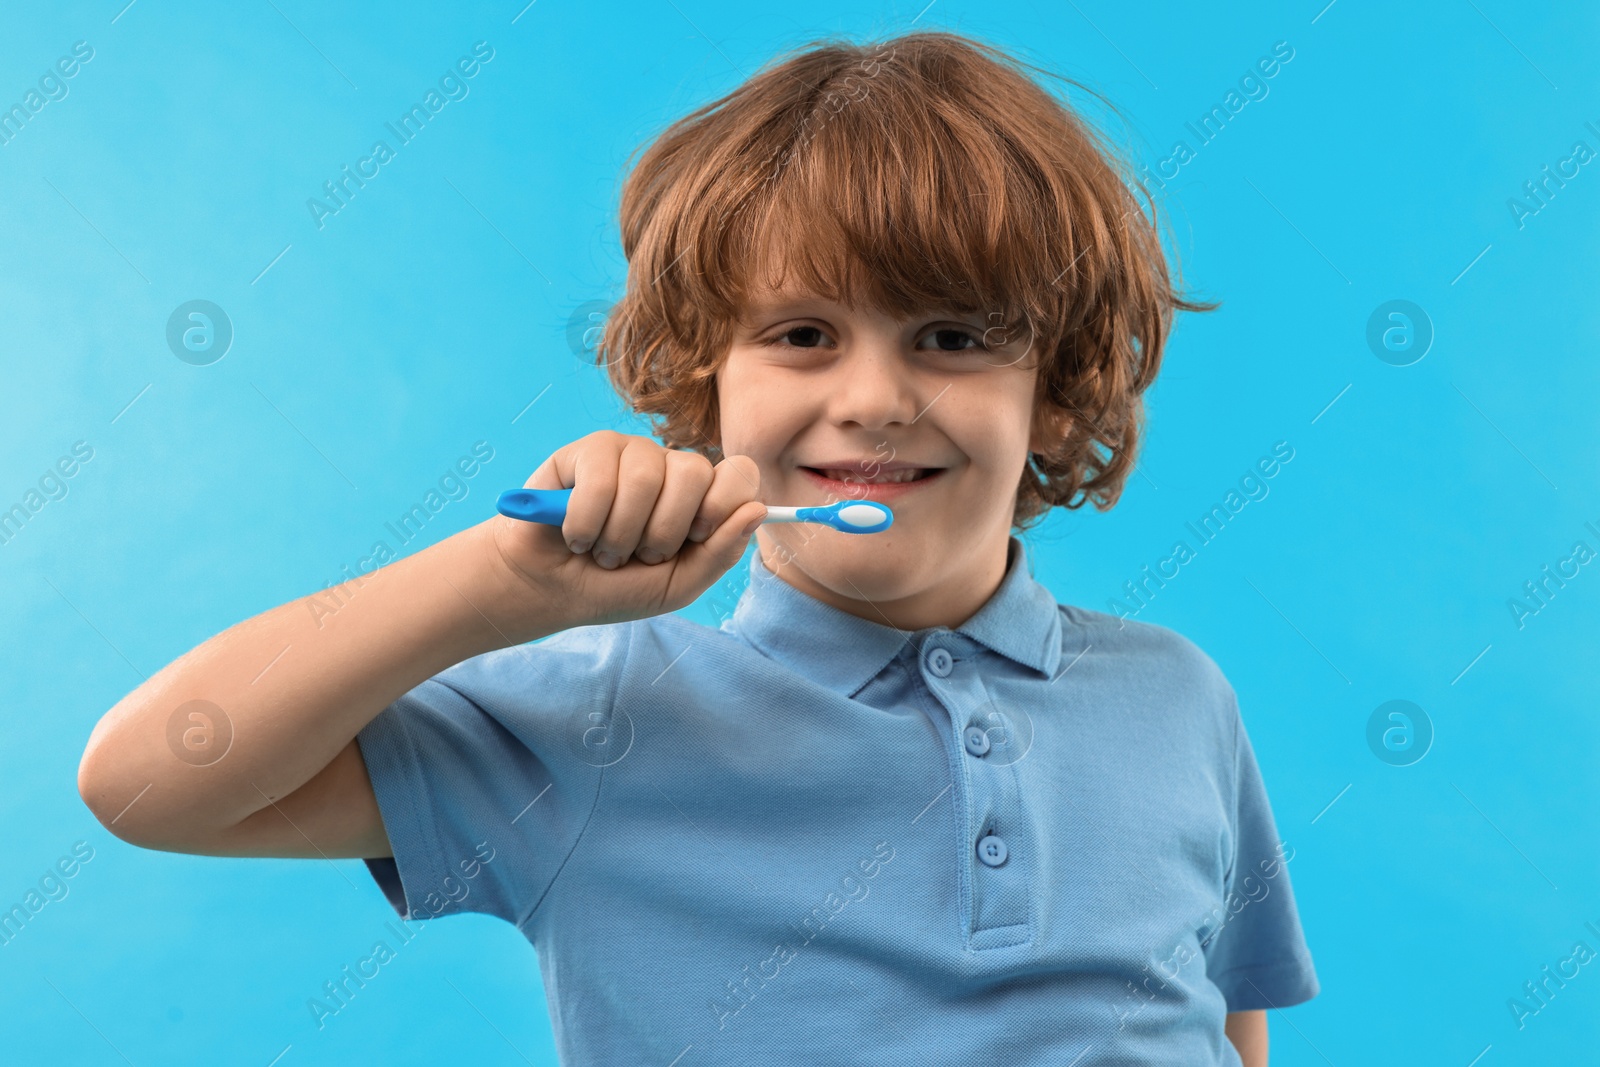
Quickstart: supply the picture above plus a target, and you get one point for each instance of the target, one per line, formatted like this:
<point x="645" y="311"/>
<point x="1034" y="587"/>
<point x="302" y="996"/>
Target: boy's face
<point x="834" y="404"/>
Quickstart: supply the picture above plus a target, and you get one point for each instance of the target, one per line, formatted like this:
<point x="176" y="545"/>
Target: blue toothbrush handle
<point x="548" y="506"/>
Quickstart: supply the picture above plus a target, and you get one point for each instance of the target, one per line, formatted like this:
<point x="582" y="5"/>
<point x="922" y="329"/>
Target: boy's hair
<point x="925" y="171"/>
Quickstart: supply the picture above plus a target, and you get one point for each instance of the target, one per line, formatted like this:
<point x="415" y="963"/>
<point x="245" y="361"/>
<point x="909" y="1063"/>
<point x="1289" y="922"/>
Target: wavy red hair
<point x="924" y="171"/>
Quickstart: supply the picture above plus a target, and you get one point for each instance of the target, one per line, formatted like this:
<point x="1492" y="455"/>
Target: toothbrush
<point x="549" y="506"/>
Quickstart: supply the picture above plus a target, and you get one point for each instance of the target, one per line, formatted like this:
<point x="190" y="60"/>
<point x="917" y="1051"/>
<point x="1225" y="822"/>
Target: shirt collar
<point x="844" y="652"/>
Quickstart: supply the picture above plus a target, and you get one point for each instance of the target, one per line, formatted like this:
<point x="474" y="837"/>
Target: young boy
<point x="902" y="806"/>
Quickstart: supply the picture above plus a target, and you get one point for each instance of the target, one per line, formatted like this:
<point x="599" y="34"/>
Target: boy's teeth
<point x="908" y="474"/>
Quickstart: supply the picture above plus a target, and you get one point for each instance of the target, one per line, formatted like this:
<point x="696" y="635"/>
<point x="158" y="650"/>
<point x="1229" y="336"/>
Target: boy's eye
<point x="799" y="337"/>
<point x="949" y="339"/>
<point x="945" y="339"/>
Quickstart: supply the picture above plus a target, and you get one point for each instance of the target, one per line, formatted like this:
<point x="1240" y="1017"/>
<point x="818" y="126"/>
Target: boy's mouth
<point x="884" y="481"/>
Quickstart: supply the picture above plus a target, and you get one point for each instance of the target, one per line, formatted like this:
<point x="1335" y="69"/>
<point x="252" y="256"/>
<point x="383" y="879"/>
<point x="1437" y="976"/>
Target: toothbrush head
<point x="849" y="516"/>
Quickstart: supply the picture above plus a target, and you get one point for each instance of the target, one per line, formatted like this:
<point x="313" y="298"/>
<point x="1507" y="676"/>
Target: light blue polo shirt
<point x="804" y="837"/>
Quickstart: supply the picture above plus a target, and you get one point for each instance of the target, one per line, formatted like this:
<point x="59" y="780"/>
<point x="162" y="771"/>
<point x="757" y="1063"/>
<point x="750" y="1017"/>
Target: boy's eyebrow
<point x="771" y="302"/>
<point x="756" y="310"/>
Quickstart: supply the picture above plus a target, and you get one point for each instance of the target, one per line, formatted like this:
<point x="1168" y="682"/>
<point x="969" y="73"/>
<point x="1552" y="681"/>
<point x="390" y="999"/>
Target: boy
<point x="902" y="806"/>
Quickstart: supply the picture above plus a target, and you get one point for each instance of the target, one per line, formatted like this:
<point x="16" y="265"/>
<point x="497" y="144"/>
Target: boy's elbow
<point x="95" y="794"/>
<point x="106" y="798"/>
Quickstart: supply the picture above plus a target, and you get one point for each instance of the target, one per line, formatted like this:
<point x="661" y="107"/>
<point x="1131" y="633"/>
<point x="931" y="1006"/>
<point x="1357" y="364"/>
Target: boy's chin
<point x="867" y="567"/>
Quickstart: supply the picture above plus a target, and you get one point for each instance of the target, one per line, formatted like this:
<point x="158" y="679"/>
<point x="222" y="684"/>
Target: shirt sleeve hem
<point x="1272" y="985"/>
<point x="401" y="789"/>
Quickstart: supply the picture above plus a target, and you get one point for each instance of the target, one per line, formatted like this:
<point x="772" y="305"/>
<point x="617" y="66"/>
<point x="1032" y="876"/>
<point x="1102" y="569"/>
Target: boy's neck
<point x="948" y="604"/>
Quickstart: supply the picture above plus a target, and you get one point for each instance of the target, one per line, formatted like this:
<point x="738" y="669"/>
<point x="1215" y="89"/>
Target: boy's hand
<point x="648" y="529"/>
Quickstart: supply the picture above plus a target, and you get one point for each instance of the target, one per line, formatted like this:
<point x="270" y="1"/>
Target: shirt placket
<point x="997" y="850"/>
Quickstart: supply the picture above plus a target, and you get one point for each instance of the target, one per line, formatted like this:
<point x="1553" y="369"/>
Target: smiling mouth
<point x="884" y="486"/>
<point x="894" y="477"/>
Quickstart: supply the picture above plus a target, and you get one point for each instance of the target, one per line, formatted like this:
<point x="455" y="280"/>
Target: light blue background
<point x="429" y="313"/>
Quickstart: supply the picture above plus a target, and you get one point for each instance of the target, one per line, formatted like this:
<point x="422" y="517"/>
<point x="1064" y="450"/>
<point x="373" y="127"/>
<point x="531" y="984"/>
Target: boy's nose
<point x="874" y="387"/>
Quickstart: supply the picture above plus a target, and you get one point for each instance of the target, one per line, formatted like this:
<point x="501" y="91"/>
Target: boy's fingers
<point x="559" y="470"/>
<point x="735" y="481"/>
<point x="548" y="474"/>
<point x="688" y="475"/>
<point x="700" y="565"/>
<point x="592" y="467"/>
<point x="641" y="470"/>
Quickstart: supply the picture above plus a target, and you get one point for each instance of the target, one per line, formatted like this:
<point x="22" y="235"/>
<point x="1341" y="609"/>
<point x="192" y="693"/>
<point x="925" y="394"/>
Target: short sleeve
<point x="1257" y="954"/>
<point x="480" y="775"/>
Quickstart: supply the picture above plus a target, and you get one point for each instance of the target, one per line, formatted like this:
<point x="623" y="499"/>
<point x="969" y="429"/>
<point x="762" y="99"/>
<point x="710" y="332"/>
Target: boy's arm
<point x="286" y="692"/>
<point x="1248" y="1032"/>
<point x="295" y="686"/>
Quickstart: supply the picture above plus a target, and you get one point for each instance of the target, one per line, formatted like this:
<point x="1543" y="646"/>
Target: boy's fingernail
<point x="699" y="530"/>
<point x="606" y="560"/>
<point x="750" y="527"/>
<point x="580" y="547"/>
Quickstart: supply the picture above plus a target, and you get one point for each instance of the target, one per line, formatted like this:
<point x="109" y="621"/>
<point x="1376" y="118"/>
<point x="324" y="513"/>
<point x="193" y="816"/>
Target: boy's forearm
<point x="294" y="685"/>
<point x="1248" y="1032"/>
